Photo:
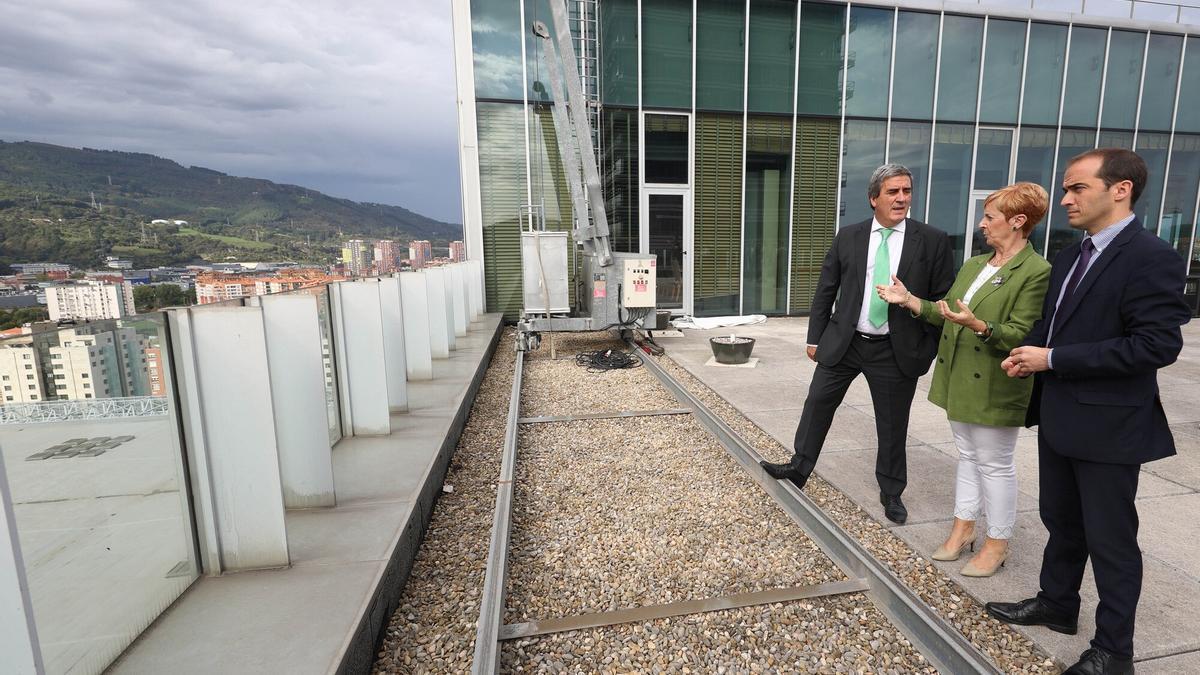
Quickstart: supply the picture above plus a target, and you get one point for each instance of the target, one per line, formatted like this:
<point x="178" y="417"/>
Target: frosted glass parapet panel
<point x="1151" y="11"/>
<point x="1073" y="6"/>
<point x="394" y="357"/>
<point x="439" y="336"/>
<point x="1117" y="9"/>
<point x="96" y="481"/>
<point x="462" y="311"/>
<point x="415" y="301"/>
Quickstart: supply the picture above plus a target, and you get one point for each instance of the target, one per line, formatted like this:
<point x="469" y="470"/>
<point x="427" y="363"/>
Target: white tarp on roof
<point x="707" y="322"/>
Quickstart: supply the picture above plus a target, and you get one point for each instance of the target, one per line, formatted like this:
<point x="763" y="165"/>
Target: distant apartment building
<point x="387" y="256"/>
<point x="290" y="281"/>
<point x="218" y="287"/>
<point x="20" y="374"/>
<point x="357" y="255"/>
<point x="89" y="300"/>
<point x="458" y="251"/>
<point x="41" y="268"/>
<point x="155" y="371"/>
<point x="420" y="252"/>
<point x="115" y="263"/>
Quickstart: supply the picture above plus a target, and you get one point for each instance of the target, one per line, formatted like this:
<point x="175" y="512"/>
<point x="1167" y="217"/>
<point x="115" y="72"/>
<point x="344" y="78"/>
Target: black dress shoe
<point x="1096" y="661"/>
<point x="1033" y="612"/>
<point x="789" y="471"/>
<point x="893" y="508"/>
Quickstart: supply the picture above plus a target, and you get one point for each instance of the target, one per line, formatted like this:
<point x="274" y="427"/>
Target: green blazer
<point x="967" y="379"/>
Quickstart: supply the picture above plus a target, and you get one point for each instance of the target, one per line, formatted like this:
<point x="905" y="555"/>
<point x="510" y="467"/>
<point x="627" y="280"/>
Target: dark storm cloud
<point x="354" y="100"/>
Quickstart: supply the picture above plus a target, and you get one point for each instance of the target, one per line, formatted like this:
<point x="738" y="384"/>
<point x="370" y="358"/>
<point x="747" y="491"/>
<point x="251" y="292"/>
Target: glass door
<point x="977" y="245"/>
<point x="995" y="162"/>
<point x="666" y="231"/>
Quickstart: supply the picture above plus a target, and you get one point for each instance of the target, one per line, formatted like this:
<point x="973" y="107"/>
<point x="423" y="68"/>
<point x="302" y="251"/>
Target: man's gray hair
<point x="883" y="173"/>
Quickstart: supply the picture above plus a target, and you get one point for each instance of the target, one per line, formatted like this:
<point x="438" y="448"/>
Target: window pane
<point x="912" y="95"/>
<point x="496" y="46"/>
<point x="1153" y="149"/>
<point x="910" y="147"/>
<point x="958" y="86"/>
<point x="1115" y="139"/>
<point x="1187" y="117"/>
<point x="1043" y="83"/>
<point x="814" y="207"/>
<point x="863" y="153"/>
<point x="1002" y="71"/>
<point x="1072" y="142"/>
<point x="664" y="220"/>
<point x="1084" y="70"/>
<point x="666" y="54"/>
<point x="1179" y="206"/>
<point x="619" y="167"/>
<point x="821" y="32"/>
<point x="720" y="54"/>
<point x="718" y="214"/>
<point x="1162" y="73"/>
<point x="992" y="158"/>
<point x="618" y="51"/>
<point x="1121" y="80"/>
<point x="1035" y="163"/>
<point x="772" y="55"/>
<point x="535" y="48"/>
<point x="951" y="178"/>
<point x="869" y="65"/>
<point x="768" y="189"/>
<point x="666" y="149"/>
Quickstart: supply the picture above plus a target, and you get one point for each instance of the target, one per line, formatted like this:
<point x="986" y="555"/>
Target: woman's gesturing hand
<point x="963" y="317"/>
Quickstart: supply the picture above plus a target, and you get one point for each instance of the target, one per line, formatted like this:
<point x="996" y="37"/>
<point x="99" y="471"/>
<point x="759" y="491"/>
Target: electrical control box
<point x="638" y="288"/>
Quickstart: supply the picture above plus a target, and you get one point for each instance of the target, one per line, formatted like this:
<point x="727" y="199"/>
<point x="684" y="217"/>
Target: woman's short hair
<point x="1029" y="199"/>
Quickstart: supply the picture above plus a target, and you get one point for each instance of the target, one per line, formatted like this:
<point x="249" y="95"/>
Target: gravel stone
<point x="1010" y="650"/>
<point x="561" y="387"/>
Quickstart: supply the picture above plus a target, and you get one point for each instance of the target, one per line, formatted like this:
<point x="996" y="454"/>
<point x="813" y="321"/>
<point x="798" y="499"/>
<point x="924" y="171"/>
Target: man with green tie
<point x="851" y="331"/>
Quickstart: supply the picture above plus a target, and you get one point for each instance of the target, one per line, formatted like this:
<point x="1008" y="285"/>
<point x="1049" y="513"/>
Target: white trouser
<point x="987" y="476"/>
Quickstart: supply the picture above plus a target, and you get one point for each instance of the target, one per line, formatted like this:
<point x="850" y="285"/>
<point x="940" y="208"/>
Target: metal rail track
<point x="932" y="636"/>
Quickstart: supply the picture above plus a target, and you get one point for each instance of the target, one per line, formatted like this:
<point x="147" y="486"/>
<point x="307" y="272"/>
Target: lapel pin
<point x="997" y="280"/>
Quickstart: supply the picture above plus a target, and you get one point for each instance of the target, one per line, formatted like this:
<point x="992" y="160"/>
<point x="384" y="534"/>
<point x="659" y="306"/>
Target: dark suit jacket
<point x="926" y="268"/>
<point x="1100" y="403"/>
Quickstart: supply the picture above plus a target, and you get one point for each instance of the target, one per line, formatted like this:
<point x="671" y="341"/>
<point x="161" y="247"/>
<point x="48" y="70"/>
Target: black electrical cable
<point x="607" y="359"/>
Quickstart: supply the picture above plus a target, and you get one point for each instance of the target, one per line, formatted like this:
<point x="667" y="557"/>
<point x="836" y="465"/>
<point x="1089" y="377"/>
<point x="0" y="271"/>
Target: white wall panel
<point x="462" y="312"/>
<point x="394" y="357"/>
<point x="362" y="330"/>
<point x="439" y="318"/>
<point x="18" y="635"/>
<point x="414" y="296"/>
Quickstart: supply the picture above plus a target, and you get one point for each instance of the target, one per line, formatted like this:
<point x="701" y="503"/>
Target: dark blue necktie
<point x="1081" y="265"/>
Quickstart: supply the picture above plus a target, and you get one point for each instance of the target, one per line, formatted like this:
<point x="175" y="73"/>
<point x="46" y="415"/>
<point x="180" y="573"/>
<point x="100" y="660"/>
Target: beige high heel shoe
<point x="973" y="570"/>
<point x="945" y="555"/>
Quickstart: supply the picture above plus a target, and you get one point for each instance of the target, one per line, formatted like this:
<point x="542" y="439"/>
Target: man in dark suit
<point x="1111" y="319"/>
<point x="852" y="331"/>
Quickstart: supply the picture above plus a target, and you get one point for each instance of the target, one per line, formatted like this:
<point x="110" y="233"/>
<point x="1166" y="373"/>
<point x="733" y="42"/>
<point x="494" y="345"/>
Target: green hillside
<point x="47" y="212"/>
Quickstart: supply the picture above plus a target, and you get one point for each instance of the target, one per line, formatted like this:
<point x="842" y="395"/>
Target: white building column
<point x="394" y="357"/>
<point x="222" y="373"/>
<point x="18" y="634"/>
<point x="477" y="289"/>
<point x="439" y="317"/>
<point x="360" y="332"/>
<point x="462" y="312"/>
<point x="414" y="295"/>
<point x="298" y="393"/>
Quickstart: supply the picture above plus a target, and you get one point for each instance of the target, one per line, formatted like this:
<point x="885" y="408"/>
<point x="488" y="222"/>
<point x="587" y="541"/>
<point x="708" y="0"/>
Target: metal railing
<point x="90" y="409"/>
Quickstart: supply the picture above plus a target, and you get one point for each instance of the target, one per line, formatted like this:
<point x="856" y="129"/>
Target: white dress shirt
<point x="895" y="248"/>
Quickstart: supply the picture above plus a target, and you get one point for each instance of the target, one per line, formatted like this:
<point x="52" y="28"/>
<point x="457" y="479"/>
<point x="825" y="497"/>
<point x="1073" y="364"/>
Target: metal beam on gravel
<point x="491" y="605"/>
<point x="603" y="415"/>
<point x="513" y="631"/>
<point x="932" y="635"/>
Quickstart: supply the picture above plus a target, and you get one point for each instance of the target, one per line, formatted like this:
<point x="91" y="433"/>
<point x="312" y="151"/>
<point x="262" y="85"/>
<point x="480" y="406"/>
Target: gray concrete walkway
<point x="349" y="563"/>
<point x="1168" y="638"/>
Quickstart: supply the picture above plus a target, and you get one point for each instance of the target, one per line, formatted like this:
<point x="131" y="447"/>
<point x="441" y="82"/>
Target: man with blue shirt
<point x="1111" y="319"/>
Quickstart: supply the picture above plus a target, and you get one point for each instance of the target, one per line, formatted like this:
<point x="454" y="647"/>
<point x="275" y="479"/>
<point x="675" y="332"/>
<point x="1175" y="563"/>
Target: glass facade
<point x="791" y="108"/>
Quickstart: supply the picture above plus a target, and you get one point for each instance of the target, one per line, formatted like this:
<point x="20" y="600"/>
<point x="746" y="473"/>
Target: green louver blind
<point x="502" y="192"/>
<point x="550" y="185"/>
<point x="618" y="168"/>
<point x="815" y="173"/>
<point x="718" y="214"/>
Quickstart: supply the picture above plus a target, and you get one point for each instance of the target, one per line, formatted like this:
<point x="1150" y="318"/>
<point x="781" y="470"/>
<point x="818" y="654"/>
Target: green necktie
<point x="882" y="276"/>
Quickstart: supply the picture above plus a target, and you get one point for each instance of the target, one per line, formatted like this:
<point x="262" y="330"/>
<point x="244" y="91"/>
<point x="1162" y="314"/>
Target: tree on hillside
<point x="150" y="298"/>
<point x="12" y="318"/>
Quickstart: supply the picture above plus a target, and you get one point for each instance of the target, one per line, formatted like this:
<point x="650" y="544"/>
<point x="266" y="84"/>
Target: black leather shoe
<point x="893" y="508"/>
<point x="1033" y="612"/>
<point x="789" y="471"/>
<point x="1096" y="661"/>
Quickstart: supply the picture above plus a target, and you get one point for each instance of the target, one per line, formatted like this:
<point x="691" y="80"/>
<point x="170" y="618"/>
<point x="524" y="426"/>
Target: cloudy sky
<point x="355" y="99"/>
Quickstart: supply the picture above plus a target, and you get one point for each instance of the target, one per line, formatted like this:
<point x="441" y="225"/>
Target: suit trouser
<point x="1088" y="509"/>
<point x="891" y="393"/>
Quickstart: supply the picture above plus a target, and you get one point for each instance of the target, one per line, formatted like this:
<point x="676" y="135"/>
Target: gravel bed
<point x="1013" y="652"/>
<point x="614" y="514"/>
<point x="563" y="388"/>
<point x="567" y="345"/>
<point x="840" y="634"/>
<point x="433" y="629"/>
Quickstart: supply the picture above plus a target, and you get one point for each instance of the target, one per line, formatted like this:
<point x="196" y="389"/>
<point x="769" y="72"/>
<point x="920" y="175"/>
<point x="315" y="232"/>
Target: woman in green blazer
<point x="992" y="305"/>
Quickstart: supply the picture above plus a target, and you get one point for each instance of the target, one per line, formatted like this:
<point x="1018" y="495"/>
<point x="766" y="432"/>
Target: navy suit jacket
<point x="1100" y="403"/>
